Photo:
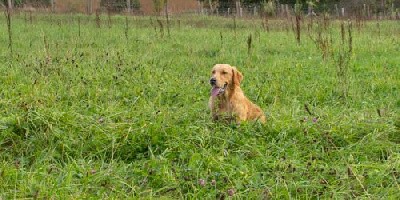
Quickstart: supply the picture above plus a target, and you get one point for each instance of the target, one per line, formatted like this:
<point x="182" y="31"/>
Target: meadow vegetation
<point x="117" y="108"/>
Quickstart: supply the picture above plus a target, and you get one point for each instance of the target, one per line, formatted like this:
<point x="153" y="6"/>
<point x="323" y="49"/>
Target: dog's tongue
<point x="215" y="91"/>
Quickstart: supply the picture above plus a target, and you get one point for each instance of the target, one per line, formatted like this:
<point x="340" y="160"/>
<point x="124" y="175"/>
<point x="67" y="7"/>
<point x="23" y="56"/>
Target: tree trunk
<point x="128" y="5"/>
<point x="89" y="7"/>
<point x="52" y="5"/>
<point x="10" y="6"/>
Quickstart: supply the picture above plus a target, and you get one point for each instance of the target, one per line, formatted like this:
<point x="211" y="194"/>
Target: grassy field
<point x="116" y="112"/>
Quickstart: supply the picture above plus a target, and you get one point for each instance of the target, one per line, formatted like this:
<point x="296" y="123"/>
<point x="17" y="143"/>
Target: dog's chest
<point x="221" y="109"/>
<point x="220" y="105"/>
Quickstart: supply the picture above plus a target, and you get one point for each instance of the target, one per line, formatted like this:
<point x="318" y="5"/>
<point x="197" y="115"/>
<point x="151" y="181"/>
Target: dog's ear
<point x="237" y="77"/>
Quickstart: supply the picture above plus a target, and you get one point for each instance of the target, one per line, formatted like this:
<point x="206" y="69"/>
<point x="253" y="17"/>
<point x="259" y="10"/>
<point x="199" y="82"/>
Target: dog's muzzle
<point x="215" y="90"/>
<point x="213" y="81"/>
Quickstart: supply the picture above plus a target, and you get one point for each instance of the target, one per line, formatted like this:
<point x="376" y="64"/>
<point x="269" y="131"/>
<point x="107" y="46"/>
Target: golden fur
<point x="227" y="100"/>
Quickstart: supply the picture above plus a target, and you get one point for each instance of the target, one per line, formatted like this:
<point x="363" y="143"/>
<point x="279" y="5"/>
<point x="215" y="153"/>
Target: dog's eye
<point x="224" y="72"/>
<point x="213" y="72"/>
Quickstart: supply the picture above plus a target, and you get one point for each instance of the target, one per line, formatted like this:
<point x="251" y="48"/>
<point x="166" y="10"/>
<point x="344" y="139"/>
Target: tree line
<point x="319" y="5"/>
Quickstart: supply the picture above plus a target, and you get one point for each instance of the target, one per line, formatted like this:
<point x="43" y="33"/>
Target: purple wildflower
<point x="202" y="182"/>
<point x="231" y="192"/>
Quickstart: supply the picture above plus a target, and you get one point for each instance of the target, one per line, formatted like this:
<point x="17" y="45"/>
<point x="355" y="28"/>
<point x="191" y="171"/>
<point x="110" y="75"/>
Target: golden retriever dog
<point x="227" y="100"/>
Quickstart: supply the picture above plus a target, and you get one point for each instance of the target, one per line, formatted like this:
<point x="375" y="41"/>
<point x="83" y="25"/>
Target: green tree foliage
<point x="318" y="5"/>
<point x="275" y="1"/>
<point x="119" y="5"/>
<point x="158" y="5"/>
<point x="32" y="2"/>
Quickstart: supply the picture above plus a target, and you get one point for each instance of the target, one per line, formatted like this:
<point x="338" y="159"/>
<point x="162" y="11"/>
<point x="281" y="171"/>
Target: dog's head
<point x="224" y="76"/>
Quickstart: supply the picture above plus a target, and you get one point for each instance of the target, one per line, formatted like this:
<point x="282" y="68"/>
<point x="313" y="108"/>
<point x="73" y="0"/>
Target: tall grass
<point x="111" y="117"/>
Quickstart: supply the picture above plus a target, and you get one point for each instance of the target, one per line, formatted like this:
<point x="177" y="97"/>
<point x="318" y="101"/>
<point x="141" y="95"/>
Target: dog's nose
<point x="213" y="81"/>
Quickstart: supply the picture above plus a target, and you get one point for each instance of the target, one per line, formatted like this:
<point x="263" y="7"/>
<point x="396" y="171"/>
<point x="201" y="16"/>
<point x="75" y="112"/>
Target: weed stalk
<point x="126" y="27"/>
<point x="222" y="39"/>
<point x="98" y="22"/>
<point x="234" y="24"/>
<point x="46" y="49"/>
<point x="25" y="18"/>
<point x="342" y="32"/>
<point x="378" y="26"/>
<point x="298" y="19"/>
<point x="79" y="26"/>
<point x="350" y="30"/>
<point x="321" y="40"/>
<point x="298" y="28"/>
<point x="8" y="18"/>
<point x="30" y="17"/>
<point x="109" y="18"/>
<point x="166" y="15"/>
<point x="343" y="60"/>
<point x="249" y="44"/>
<point x="161" y="27"/>
<point x="265" y="24"/>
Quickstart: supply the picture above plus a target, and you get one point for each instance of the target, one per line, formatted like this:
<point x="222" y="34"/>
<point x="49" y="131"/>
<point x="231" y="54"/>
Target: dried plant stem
<point x="167" y="16"/>
<point x="126" y="27"/>
<point x="161" y="27"/>
<point x="46" y="49"/>
<point x="342" y="32"/>
<point x="8" y="17"/>
<point x="79" y="26"/>
<point x="379" y="29"/>
<point x="222" y="39"/>
<point x="298" y="28"/>
<point x="30" y="17"/>
<point x="322" y="39"/>
<point x="265" y="24"/>
<point x="249" y="44"/>
<point x="234" y="24"/>
<point x="307" y="109"/>
<point x="350" y="30"/>
<point x="109" y="18"/>
<point x="98" y="18"/>
<point x="343" y="60"/>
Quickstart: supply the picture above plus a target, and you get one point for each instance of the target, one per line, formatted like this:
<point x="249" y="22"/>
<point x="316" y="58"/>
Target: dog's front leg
<point x="240" y="113"/>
